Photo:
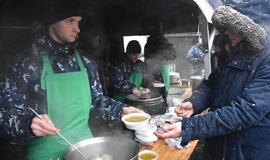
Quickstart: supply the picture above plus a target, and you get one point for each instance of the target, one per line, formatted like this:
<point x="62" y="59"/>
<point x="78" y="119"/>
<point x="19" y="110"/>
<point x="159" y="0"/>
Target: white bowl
<point x="158" y="85"/>
<point x="136" y="125"/>
<point x="146" y="140"/>
<point x="148" y="129"/>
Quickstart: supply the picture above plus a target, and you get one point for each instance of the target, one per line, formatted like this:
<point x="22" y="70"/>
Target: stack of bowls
<point x="146" y="135"/>
<point x="143" y="130"/>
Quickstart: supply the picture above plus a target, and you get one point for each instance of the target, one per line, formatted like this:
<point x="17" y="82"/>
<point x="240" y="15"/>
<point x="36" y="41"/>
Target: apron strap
<point x="136" y="78"/>
<point x="47" y="68"/>
<point x="166" y="76"/>
<point x="79" y="60"/>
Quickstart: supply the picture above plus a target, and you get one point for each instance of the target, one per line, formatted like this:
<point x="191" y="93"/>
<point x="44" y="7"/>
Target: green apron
<point x="136" y="79"/>
<point x="166" y="76"/>
<point x="69" y="100"/>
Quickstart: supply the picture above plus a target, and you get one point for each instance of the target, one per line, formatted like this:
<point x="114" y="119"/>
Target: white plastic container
<point x="136" y="125"/>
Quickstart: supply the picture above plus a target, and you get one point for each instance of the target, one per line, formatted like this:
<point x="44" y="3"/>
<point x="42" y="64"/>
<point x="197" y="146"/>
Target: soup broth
<point x="147" y="156"/>
<point x="136" y="119"/>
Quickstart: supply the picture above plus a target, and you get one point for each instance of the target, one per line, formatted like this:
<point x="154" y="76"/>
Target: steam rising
<point x="158" y="51"/>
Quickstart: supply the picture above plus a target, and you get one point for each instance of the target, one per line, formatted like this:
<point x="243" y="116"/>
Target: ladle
<point x="59" y="134"/>
<point x="134" y="156"/>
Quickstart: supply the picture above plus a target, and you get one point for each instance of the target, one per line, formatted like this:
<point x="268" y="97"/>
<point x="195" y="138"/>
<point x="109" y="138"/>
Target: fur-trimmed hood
<point x="227" y="17"/>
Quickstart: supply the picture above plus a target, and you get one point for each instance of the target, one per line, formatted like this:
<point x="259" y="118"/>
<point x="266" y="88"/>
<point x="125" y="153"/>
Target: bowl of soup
<point x="136" y="121"/>
<point x="148" y="155"/>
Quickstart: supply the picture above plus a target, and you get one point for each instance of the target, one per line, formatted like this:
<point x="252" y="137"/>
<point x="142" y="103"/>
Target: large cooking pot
<point x="154" y="105"/>
<point x="196" y="82"/>
<point x="105" y="148"/>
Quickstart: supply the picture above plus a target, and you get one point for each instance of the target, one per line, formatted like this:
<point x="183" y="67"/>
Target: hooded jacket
<point x="257" y="10"/>
<point x="237" y="126"/>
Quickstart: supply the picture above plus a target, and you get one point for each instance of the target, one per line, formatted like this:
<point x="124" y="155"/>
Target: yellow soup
<point x="136" y="119"/>
<point x="147" y="156"/>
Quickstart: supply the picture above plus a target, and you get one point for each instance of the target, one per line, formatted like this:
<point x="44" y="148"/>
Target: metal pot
<point x="114" y="148"/>
<point x="196" y="82"/>
<point x="155" y="105"/>
<point x="174" y="77"/>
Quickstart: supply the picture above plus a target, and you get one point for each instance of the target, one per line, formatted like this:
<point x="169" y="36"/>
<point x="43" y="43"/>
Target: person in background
<point x="127" y="79"/>
<point x="195" y="57"/>
<point x="237" y="126"/>
<point x="220" y="44"/>
<point x="60" y="83"/>
<point x="158" y="52"/>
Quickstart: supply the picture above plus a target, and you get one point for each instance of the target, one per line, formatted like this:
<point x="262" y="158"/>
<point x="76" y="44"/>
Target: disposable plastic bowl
<point x="143" y="153"/>
<point x="134" y="125"/>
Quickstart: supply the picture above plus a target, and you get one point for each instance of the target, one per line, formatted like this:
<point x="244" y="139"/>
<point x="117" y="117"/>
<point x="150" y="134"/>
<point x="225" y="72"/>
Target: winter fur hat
<point x="57" y="10"/>
<point x="232" y="20"/>
<point x="134" y="47"/>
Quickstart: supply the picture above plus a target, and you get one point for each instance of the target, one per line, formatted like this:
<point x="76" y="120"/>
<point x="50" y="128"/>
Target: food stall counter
<point x="168" y="153"/>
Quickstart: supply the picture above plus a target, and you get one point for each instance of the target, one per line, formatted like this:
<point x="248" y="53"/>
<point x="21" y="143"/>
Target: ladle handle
<point x="59" y="134"/>
<point x="134" y="156"/>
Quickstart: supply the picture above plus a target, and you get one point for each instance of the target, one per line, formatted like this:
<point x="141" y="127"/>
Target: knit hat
<point x="230" y="19"/>
<point x="134" y="47"/>
<point x="57" y="10"/>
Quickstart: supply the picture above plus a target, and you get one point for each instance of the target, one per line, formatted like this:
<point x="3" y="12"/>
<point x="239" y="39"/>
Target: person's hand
<point x="43" y="127"/>
<point x="170" y="131"/>
<point x="136" y="92"/>
<point x="130" y="109"/>
<point x="184" y="110"/>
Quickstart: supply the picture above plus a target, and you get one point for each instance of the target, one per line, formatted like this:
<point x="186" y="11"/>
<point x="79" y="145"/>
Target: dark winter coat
<point x="238" y="95"/>
<point x="237" y="126"/>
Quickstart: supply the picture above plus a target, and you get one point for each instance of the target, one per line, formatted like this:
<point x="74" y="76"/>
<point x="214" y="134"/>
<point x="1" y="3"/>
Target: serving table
<point x="166" y="152"/>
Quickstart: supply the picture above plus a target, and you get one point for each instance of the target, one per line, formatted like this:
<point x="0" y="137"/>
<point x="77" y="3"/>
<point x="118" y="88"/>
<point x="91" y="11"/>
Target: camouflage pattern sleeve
<point x="119" y="79"/>
<point x="106" y="107"/>
<point x="15" y="118"/>
<point x="195" y="54"/>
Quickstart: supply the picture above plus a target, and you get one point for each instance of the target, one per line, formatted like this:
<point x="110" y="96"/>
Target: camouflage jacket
<point x="195" y="58"/>
<point x="119" y="77"/>
<point x="21" y="88"/>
